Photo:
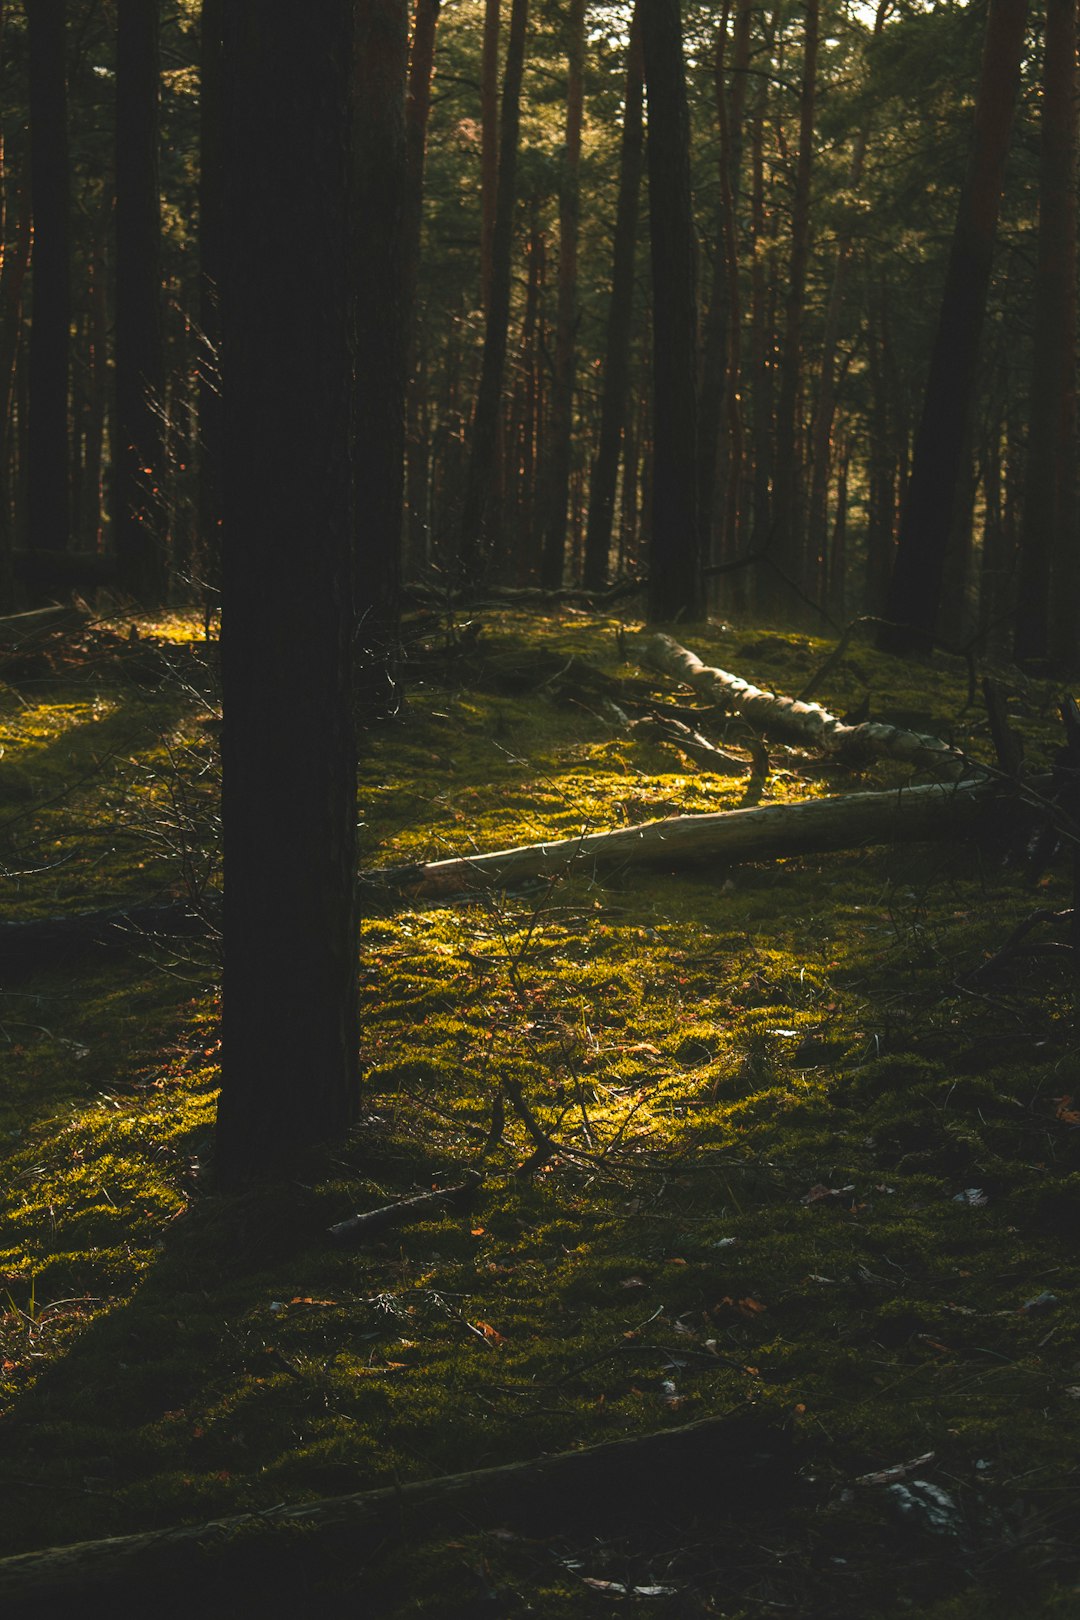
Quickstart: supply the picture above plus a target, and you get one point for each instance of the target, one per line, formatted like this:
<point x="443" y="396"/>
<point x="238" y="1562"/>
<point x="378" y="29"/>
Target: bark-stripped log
<point x="249" y="1563"/>
<point x="790" y="720"/>
<point x="931" y="810"/>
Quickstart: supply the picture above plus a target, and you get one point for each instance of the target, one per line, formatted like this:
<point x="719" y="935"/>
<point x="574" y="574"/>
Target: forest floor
<point x="807" y="1166"/>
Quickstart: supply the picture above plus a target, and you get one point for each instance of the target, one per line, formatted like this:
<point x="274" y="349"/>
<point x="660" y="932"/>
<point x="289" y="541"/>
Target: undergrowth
<point x="804" y="1159"/>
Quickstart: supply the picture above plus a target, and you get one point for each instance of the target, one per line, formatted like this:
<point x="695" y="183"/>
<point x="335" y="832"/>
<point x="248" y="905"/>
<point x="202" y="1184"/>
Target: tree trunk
<point x="616" y="380"/>
<point x="556" y="484"/>
<point x="211" y="249"/>
<point x="16" y="260"/>
<point x="930" y="502"/>
<point x="49" y="470"/>
<point x="417" y="110"/>
<point x="767" y="832"/>
<point x="138" y="439"/>
<point x="476" y="543"/>
<point x="489" y="144"/>
<point x="1049" y="523"/>
<point x="676" y="587"/>
<point x="291" y="1021"/>
<point x="380" y="253"/>
<point x="279" y="1557"/>
<point x="786" y="578"/>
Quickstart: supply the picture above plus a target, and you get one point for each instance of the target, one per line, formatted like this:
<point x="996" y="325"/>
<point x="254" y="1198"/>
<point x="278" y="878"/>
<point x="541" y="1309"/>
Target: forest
<point x="539" y="808"/>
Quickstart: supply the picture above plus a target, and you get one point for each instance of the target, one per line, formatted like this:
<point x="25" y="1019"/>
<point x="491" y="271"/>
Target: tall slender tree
<point x="616" y="378"/>
<point x="676" y="587"/>
<point x="930" y="502"/>
<point x="1048" y="538"/>
<point x="290" y="986"/>
<point x="556" y="484"/>
<point x="417" y="111"/>
<point x="138" y="438"/>
<point x="211" y="250"/>
<point x="50" y="180"/>
<point x="475" y="542"/>
<point x="380" y="209"/>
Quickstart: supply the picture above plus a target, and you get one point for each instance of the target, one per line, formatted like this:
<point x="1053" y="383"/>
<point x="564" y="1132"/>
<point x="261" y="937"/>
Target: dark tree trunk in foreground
<point x="675" y="577"/>
<point x="475" y="543"/>
<point x="211" y="248"/>
<point x="380" y="216"/>
<point x="555" y="492"/>
<point x="138" y="437"/>
<point x="930" y="503"/>
<point x="290" y="989"/>
<point x="1049" y="537"/>
<point x="51" y="310"/>
<point x="613" y="398"/>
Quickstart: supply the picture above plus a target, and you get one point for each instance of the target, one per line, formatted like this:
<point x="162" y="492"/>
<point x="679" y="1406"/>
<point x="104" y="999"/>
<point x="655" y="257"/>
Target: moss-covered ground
<point x="805" y="1160"/>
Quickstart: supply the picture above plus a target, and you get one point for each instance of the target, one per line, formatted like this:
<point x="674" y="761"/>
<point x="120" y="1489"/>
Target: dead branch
<point x="373" y="1222"/>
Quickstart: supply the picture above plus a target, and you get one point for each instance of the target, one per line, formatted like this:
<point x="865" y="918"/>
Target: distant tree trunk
<point x="16" y="260"/>
<point x="417" y="109"/>
<point x="786" y="545"/>
<point x="761" y="335"/>
<point x="97" y="387"/>
<point x="291" y="1023"/>
<point x="1049" y="537"/>
<point x="138" y="439"/>
<point x="930" y="501"/>
<point x="616" y="378"/>
<point x="475" y="542"/>
<point x="556" y="487"/>
<point x="489" y="143"/>
<point x="49" y="470"/>
<point x="675" y="578"/>
<point x="211" y="248"/>
<point x="379" y="208"/>
<point x="836" y="593"/>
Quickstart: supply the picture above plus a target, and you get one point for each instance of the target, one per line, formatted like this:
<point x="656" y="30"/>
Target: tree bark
<point x="49" y="471"/>
<point x="417" y="110"/>
<point x="138" y="437"/>
<point x="476" y="544"/>
<point x="676" y="587"/>
<point x="616" y="380"/>
<point x="910" y="814"/>
<point x="558" y="461"/>
<point x="291" y="1021"/>
<point x="489" y="144"/>
<point x="930" y="502"/>
<point x="211" y="252"/>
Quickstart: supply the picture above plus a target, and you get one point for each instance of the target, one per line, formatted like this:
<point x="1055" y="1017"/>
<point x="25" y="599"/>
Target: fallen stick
<point x="358" y="1228"/>
<point x="901" y="815"/>
<point x="19" y="627"/>
<point x="736" y="1461"/>
<point x="792" y="720"/>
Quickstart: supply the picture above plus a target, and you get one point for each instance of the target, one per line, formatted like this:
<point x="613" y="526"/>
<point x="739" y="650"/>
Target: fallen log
<point x="791" y="720"/>
<point x="48" y="942"/>
<point x="901" y="815"/>
<point x="17" y="628"/>
<point x="718" y="1464"/>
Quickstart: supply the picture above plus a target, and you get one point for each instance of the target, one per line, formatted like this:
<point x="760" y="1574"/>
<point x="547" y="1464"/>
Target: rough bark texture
<point x="290" y="983"/>
<point x="51" y="310"/>
<point x="613" y="397"/>
<point x="475" y="542"/>
<point x="730" y="1463"/>
<point x="931" y="810"/>
<point x="930" y="502"/>
<point x="211" y="249"/>
<point x="794" y="721"/>
<point x="138" y="438"/>
<point x="676" y="587"/>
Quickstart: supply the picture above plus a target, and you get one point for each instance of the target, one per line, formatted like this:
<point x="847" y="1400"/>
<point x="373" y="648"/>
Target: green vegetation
<point x="801" y="1163"/>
